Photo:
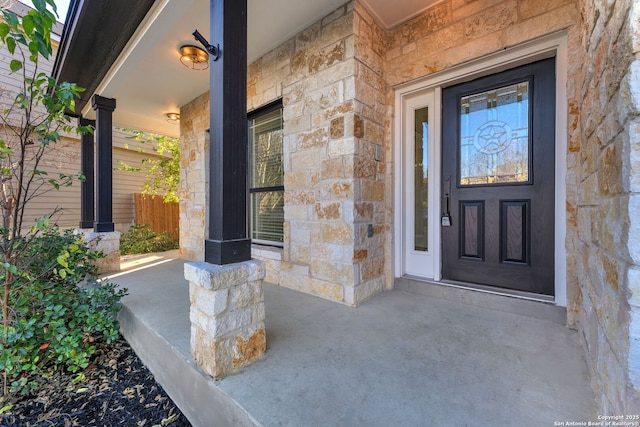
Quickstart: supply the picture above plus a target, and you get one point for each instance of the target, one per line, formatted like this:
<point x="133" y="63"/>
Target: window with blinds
<point x="266" y="180"/>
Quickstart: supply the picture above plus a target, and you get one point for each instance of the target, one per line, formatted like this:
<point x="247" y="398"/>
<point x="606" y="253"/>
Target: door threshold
<point x="528" y="304"/>
<point x="530" y="296"/>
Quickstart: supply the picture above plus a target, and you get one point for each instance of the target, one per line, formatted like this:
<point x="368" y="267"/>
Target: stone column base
<point x="227" y="315"/>
<point x="107" y="243"/>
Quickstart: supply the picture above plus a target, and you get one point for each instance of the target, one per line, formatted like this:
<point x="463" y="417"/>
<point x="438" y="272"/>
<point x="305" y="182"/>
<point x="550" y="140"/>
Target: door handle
<point x="446" y="214"/>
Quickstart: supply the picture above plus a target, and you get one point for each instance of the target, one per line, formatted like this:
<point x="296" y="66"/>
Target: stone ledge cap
<point x="108" y="235"/>
<point x="215" y="277"/>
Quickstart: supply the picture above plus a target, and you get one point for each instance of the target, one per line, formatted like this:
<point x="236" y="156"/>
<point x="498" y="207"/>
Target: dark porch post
<point x="87" y="194"/>
<point x="228" y="242"/>
<point x="104" y="135"/>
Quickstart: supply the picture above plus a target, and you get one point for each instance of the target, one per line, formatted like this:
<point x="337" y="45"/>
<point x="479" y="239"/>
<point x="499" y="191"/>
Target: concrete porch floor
<point x="415" y="356"/>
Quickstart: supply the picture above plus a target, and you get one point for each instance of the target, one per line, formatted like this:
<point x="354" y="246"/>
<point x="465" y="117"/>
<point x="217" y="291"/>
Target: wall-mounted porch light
<point x="194" y="57"/>
<point x="214" y="50"/>
<point x="173" y="118"/>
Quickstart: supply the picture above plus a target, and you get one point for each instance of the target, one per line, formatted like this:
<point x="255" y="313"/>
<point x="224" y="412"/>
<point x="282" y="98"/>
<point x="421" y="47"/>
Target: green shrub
<point x="57" y="311"/>
<point x="140" y="239"/>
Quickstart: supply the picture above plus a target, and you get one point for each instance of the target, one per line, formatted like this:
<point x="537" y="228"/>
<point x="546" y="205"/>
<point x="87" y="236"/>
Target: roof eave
<point x="94" y="35"/>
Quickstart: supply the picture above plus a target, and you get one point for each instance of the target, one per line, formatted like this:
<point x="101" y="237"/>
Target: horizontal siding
<point x="64" y="158"/>
<point x="12" y="83"/>
<point x="121" y="140"/>
<point x="125" y="184"/>
<point x="60" y="159"/>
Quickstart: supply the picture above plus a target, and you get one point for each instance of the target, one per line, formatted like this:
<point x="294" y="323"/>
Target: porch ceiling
<point x="143" y="72"/>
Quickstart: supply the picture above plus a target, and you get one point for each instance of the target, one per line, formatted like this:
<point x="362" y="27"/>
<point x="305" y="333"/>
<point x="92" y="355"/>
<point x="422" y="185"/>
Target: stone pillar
<point x="109" y="245"/>
<point x="87" y="193"/>
<point x="227" y="315"/>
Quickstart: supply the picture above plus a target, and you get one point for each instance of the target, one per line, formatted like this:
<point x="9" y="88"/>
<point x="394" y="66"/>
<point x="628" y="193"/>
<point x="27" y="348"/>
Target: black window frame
<point x="251" y="116"/>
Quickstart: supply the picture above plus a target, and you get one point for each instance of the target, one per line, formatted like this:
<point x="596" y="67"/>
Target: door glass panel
<point x="494" y="136"/>
<point x="421" y="181"/>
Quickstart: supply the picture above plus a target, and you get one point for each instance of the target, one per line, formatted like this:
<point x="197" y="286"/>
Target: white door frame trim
<point x="545" y="47"/>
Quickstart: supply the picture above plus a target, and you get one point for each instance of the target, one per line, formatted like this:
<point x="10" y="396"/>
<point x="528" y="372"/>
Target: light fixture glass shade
<point x="194" y="57"/>
<point x="173" y="117"/>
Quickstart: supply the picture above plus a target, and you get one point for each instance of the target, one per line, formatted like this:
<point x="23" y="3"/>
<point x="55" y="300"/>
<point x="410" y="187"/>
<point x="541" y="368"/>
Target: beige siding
<point x="65" y="158"/>
<point x="124" y="185"/>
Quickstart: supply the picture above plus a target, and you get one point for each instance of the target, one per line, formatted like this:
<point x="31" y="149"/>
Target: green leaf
<point x="6" y="408"/>
<point x="40" y="5"/>
<point x="11" y="19"/>
<point x="11" y="45"/>
<point x="55" y="184"/>
<point x="15" y="65"/>
<point x="62" y="259"/>
<point x="10" y="268"/>
<point x="33" y="49"/>
<point x="4" y="30"/>
<point x="44" y="46"/>
<point x="28" y="23"/>
<point x="52" y="3"/>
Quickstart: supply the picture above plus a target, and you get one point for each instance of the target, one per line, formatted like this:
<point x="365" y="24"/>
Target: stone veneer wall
<point x="373" y="254"/>
<point x="193" y="193"/>
<point x="605" y="146"/>
<point x="330" y="80"/>
<point x="329" y="77"/>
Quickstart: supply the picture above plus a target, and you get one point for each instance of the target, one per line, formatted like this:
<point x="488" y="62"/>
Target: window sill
<point x="266" y="251"/>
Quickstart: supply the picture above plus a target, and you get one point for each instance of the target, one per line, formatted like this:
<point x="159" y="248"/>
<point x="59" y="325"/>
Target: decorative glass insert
<point x="421" y="181"/>
<point x="266" y="176"/>
<point x="494" y="136"/>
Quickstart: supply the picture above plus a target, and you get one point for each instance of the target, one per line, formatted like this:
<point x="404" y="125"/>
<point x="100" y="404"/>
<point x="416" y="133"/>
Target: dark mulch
<point x="115" y="390"/>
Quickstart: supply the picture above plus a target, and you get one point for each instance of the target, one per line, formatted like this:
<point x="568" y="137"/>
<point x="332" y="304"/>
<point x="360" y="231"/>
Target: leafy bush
<point x="140" y="239"/>
<point x="48" y="322"/>
<point x="58" y="311"/>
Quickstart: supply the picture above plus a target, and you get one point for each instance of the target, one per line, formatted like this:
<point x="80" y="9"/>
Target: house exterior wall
<point x="334" y="111"/>
<point x="604" y="243"/>
<point x="337" y="81"/>
<point x="194" y="188"/>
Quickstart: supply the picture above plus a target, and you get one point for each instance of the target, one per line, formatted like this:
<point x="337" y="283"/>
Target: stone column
<point x="109" y="245"/>
<point x="227" y="315"/>
<point x="227" y="302"/>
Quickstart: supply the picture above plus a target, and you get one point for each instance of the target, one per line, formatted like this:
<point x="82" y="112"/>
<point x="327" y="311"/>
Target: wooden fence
<point x="159" y="216"/>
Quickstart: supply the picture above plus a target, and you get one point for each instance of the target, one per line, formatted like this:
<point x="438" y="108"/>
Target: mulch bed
<point x="115" y="390"/>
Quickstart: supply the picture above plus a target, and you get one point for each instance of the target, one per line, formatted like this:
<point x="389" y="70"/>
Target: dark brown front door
<point x="498" y="179"/>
